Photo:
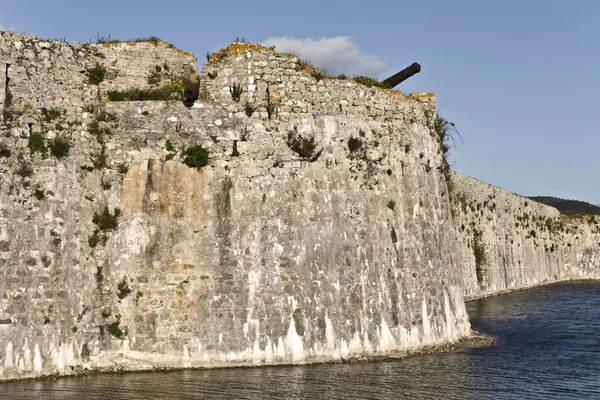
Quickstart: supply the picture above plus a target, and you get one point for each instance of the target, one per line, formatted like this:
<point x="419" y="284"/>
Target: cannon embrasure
<point x="191" y="91"/>
<point x="403" y="75"/>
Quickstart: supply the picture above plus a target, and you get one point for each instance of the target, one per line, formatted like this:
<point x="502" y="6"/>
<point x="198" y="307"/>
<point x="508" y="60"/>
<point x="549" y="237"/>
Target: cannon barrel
<point x="191" y="91"/>
<point x="403" y="75"/>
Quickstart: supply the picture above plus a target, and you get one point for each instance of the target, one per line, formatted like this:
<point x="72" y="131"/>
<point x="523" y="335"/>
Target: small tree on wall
<point x="196" y="157"/>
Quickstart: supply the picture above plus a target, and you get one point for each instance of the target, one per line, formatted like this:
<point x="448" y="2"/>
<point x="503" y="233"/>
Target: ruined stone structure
<point x="321" y="229"/>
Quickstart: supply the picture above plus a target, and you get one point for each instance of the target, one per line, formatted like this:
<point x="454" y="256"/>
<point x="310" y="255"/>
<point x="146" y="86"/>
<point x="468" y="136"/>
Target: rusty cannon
<point x="191" y="91"/>
<point x="403" y="75"/>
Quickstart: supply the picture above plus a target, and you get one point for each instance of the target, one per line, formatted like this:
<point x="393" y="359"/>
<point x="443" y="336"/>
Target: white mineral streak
<point x="426" y="323"/>
<point x="27" y="357"/>
<point x="37" y="360"/>
<point x="294" y="345"/>
<point x="386" y="338"/>
<point x="8" y="356"/>
<point x="185" y="360"/>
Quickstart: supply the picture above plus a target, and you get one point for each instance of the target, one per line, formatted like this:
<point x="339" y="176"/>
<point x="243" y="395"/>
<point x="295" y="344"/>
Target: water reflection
<point x="548" y="347"/>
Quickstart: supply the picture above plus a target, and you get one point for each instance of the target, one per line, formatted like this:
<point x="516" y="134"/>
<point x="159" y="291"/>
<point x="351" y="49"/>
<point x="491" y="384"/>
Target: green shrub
<point x="172" y="91"/>
<point x="37" y="144"/>
<point x="236" y="91"/>
<point x="97" y="238"/>
<point x="99" y="159"/>
<point x="24" y="171"/>
<point x="196" y="157"/>
<point x="50" y="114"/>
<point x="39" y="194"/>
<point x="123" y="168"/>
<point x="155" y="76"/>
<point x="105" y="116"/>
<point x="304" y="147"/>
<point x="59" y="147"/>
<point x="7" y="114"/>
<point x="446" y="132"/>
<point x="105" y="220"/>
<point x="123" y="289"/>
<point x="391" y="205"/>
<point x="249" y="109"/>
<point x="354" y="144"/>
<point x="369" y="82"/>
<point x="114" y="329"/>
<point x="96" y="74"/>
<point x="4" y="151"/>
<point x="98" y="131"/>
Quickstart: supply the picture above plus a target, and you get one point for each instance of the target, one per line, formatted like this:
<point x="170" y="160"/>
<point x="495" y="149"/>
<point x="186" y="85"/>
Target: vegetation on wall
<point x="59" y="147"/>
<point x="123" y="289"/>
<point x="236" y="91"/>
<point x="4" y="151"/>
<point x="196" y="157"/>
<point x="105" y="222"/>
<point x="249" y="109"/>
<point x="37" y="144"/>
<point x="50" y="114"/>
<point x="96" y="74"/>
<point x="354" y="144"/>
<point x="155" y="75"/>
<point x="446" y="134"/>
<point x="7" y="114"/>
<point x="479" y="253"/>
<point x="169" y="91"/>
<point x="305" y="147"/>
<point x="369" y="82"/>
<point x="114" y="328"/>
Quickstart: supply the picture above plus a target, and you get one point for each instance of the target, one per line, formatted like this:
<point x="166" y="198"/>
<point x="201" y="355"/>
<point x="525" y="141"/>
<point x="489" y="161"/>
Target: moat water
<point x="548" y="347"/>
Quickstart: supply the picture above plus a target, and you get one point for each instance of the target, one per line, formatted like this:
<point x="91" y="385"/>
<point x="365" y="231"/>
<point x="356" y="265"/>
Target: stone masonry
<point x="321" y="229"/>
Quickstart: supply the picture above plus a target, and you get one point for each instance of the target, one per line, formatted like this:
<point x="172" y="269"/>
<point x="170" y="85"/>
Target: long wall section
<point x="508" y="241"/>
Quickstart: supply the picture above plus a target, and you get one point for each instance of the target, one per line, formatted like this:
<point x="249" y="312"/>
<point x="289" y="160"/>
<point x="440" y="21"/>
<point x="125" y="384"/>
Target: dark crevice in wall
<point x="148" y="187"/>
<point x="7" y="75"/>
<point x="6" y="114"/>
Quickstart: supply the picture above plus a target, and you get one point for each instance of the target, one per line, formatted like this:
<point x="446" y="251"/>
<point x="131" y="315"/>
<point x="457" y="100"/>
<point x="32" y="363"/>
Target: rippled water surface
<point x="548" y="347"/>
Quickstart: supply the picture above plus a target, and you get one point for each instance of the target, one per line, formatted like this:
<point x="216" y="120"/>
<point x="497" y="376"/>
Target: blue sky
<point x="520" y="78"/>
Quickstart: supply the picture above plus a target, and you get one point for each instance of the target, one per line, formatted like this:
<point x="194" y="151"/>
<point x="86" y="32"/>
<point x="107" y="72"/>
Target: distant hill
<point x="568" y="206"/>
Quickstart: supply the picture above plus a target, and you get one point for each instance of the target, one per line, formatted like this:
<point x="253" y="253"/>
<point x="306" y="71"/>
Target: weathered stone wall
<point x="263" y="256"/>
<point x="49" y="73"/>
<point x="524" y="242"/>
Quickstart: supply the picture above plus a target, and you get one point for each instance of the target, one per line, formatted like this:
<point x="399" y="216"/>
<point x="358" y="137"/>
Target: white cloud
<point x="335" y="55"/>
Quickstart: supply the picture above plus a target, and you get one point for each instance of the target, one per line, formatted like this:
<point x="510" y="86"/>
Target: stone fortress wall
<point x="267" y="255"/>
<point x="523" y="243"/>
